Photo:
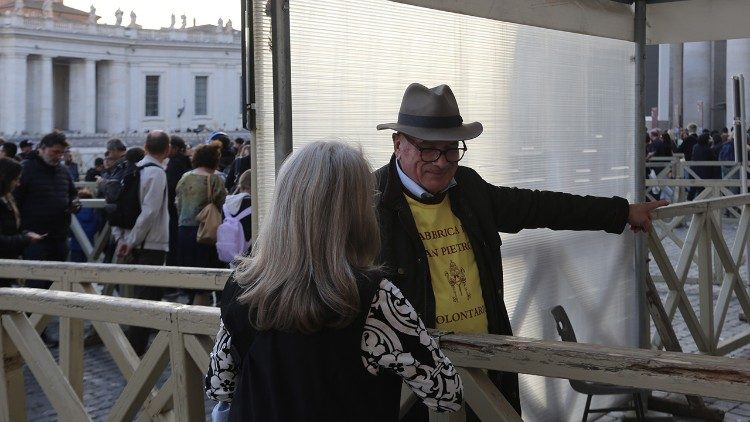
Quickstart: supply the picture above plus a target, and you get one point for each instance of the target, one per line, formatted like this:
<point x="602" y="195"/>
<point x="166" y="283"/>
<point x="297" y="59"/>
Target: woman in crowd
<point x="310" y="330"/>
<point x="196" y="189"/>
<point x="12" y="241"/>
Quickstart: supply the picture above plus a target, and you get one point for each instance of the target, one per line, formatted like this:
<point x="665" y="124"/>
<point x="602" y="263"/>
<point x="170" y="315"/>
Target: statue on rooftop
<point x="92" y="15"/>
<point x="228" y="26"/>
<point x="172" y="22"/>
<point x="118" y="17"/>
<point x="47" y="9"/>
<point x="184" y="21"/>
<point x="132" y="19"/>
<point x="19" y="6"/>
<point x="220" y="23"/>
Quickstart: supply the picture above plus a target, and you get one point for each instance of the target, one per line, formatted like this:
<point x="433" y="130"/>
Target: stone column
<point x="89" y="96"/>
<point x="82" y="107"/>
<point x="697" y="83"/>
<point x="13" y="76"/>
<point x="117" y="97"/>
<point x="46" y="106"/>
<point x="665" y="83"/>
<point x="738" y="62"/>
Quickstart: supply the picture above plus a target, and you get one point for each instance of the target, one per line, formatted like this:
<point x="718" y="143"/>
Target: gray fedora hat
<point x="432" y="114"/>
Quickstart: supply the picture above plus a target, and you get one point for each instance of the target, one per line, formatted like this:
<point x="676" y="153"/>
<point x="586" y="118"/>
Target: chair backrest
<point x="562" y="322"/>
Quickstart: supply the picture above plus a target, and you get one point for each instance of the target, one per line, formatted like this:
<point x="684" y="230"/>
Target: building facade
<point x="60" y="69"/>
<point x="692" y="82"/>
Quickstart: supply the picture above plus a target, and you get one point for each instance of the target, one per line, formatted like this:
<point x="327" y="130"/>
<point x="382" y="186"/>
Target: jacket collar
<point x="151" y="160"/>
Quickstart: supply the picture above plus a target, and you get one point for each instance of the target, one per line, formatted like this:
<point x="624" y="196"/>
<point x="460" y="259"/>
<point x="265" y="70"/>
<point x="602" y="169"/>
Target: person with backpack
<point x="310" y="329"/>
<point x="146" y="241"/>
<point x="200" y="187"/>
<point x="234" y="236"/>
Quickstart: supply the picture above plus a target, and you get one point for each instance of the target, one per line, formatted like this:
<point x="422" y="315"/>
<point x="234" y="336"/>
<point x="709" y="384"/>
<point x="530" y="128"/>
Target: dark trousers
<point x="138" y="336"/>
<point x="46" y="250"/>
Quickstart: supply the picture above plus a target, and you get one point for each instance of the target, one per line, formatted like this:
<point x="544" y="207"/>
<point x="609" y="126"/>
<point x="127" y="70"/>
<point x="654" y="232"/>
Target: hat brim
<point x="458" y="133"/>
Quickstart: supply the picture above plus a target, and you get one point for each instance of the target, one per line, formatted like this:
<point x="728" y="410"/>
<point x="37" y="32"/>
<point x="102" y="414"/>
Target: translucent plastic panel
<point x="558" y="114"/>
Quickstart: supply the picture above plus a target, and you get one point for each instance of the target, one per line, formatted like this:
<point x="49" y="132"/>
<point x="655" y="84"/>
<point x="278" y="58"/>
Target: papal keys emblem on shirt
<point x="457" y="277"/>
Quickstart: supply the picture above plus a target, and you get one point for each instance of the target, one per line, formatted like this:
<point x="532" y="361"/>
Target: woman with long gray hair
<point x="310" y="330"/>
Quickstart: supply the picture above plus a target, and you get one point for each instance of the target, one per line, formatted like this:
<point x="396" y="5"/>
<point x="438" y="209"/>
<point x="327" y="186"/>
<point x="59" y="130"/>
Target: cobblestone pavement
<point x="103" y="382"/>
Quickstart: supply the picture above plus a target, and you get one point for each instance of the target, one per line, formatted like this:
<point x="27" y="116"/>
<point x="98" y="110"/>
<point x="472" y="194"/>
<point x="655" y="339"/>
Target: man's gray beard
<point x="50" y="162"/>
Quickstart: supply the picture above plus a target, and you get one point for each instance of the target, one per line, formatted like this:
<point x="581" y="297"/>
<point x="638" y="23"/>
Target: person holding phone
<point x="12" y="240"/>
<point x="46" y="199"/>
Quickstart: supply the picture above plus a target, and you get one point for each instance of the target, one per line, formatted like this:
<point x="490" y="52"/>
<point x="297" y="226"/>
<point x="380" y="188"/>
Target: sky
<point x="155" y="14"/>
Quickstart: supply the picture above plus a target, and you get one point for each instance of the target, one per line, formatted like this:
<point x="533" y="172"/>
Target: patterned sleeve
<point x="222" y="371"/>
<point x="396" y="339"/>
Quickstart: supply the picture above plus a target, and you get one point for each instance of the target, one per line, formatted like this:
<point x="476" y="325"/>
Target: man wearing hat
<point x="26" y="148"/>
<point x="439" y="221"/>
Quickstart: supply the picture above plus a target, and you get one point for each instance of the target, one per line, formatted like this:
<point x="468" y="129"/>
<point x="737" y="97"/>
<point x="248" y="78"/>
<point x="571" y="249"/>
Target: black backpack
<point x="121" y="193"/>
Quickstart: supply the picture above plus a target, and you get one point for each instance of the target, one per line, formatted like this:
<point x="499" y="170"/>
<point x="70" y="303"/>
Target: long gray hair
<point x="320" y="231"/>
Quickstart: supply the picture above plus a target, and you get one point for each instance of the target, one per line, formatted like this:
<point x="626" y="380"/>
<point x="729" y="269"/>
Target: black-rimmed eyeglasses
<point x="430" y="155"/>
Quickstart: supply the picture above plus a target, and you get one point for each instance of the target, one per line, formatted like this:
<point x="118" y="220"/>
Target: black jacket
<point x="320" y="377"/>
<point x="176" y="167"/>
<point x="484" y="210"/>
<point x="44" y="197"/>
<point x="686" y="147"/>
<point x="12" y="241"/>
<point x="239" y="166"/>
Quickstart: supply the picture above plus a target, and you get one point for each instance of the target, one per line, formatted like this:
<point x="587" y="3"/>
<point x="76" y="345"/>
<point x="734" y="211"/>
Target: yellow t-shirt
<point x="459" y="305"/>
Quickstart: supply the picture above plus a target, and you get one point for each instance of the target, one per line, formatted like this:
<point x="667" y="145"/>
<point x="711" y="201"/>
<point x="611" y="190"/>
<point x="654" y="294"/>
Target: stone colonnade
<point x="695" y="81"/>
<point x="40" y="92"/>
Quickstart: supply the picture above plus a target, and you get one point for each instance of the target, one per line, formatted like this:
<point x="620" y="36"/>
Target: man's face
<point x="434" y="176"/>
<point x="115" y="154"/>
<point x="67" y="156"/>
<point x="26" y="149"/>
<point x="52" y="155"/>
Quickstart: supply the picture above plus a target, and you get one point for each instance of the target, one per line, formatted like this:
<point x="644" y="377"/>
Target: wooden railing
<point x="184" y="341"/>
<point x="671" y="172"/>
<point x="703" y="240"/>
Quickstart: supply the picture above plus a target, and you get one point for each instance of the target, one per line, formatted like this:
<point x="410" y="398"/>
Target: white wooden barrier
<point x="184" y="342"/>
<point x="704" y="239"/>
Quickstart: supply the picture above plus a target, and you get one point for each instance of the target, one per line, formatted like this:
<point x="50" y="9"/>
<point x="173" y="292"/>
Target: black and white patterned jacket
<point x="393" y="333"/>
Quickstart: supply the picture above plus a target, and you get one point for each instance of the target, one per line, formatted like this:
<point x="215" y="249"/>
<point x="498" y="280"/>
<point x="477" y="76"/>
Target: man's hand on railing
<point x="639" y="216"/>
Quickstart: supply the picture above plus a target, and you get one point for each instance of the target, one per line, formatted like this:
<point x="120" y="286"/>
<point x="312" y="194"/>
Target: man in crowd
<point x="8" y="150"/>
<point x="440" y="222"/>
<point x="26" y="149"/>
<point x="71" y="165"/>
<point x="689" y="141"/>
<point x="147" y="242"/>
<point x="115" y="154"/>
<point x="46" y="199"/>
<point x="96" y="171"/>
<point x="179" y="164"/>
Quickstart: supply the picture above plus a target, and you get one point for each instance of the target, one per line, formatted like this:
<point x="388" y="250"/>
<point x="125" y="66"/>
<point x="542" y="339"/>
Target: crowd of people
<point x="708" y="145"/>
<point x="38" y="198"/>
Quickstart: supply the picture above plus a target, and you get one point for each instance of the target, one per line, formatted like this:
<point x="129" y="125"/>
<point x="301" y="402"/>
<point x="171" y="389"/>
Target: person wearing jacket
<point x="46" y="198"/>
<point x="439" y="221"/>
<point x="196" y="189"/>
<point x="147" y="242"/>
<point x="12" y="240"/>
<point x="179" y="164"/>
